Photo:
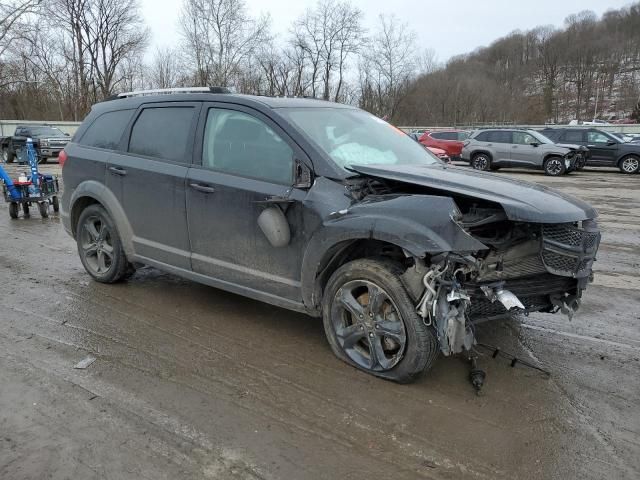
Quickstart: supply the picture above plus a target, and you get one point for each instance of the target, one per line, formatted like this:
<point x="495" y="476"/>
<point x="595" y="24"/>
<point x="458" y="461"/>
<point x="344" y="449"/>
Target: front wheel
<point x="554" y="166"/>
<point x="371" y="323"/>
<point x="481" y="161"/>
<point x="99" y="246"/>
<point x="630" y="164"/>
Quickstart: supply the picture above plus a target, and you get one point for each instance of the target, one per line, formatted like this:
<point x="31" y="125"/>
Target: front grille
<point x="567" y="250"/>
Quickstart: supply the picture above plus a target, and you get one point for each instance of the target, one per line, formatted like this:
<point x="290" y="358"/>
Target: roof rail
<point x="166" y="91"/>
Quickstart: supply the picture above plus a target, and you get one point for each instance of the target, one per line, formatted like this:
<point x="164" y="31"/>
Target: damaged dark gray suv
<point x="324" y="209"/>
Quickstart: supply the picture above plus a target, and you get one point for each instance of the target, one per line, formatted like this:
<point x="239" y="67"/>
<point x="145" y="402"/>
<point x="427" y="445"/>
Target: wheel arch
<point x="92" y="192"/>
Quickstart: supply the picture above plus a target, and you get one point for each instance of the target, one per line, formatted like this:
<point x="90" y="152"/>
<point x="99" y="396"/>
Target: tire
<point x="25" y="210"/>
<point x="629" y="164"/>
<point x="44" y="209"/>
<point x="13" y="210"/>
<point x="7" y="156"/>
<point x="100" y="247"/>
<point x="554" y="166"/>
<point x="56" y="204"/>
<point x="409" y="349"/>
<point x="481" y="161"/>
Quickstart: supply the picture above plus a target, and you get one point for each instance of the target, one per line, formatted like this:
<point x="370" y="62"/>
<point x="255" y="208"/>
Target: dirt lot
<point x="193" y="382"/>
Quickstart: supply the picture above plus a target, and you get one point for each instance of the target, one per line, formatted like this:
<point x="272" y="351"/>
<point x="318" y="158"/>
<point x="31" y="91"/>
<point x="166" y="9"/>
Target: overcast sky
<point x="450" y="27"/>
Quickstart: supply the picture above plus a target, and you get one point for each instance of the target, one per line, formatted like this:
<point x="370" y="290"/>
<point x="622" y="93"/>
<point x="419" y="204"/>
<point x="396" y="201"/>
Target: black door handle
<point x="202" y="188"/>
<point x="118" y="171"/>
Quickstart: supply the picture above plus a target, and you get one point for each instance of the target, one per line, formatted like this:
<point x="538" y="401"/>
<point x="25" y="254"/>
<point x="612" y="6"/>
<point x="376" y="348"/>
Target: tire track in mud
<point x="232" y="389"/>
<point x="402" y="439"/>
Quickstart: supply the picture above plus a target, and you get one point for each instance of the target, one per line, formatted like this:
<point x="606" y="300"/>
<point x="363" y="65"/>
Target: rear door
<point x="149" y="180"/>
<point x="604" y="149"/>
<point x="500" y="143"/>
<point x="245" y="165"/>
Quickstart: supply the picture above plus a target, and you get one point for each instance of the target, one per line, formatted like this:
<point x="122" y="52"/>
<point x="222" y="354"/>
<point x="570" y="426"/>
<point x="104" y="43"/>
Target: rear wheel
<point x="372" y="324"/>
<point x="481" y="161"/>
<point x="13" y="210"/>
<point x="25" y="209"/>
<point x="630" y="164"/>
<point x="99" y="245"/>
<point x="554" y="166"/>
<point x="56" y="204"/>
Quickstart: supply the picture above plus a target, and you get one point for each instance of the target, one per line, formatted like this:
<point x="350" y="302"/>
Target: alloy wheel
<point x="368" y="325"/>
<point x="554" y="166"/>
<point x="481" y="162"/>
<point x="96" y="245"/>
<point x="630" y="165"/>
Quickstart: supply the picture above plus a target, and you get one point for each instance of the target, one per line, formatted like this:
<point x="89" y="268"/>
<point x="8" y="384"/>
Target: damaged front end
<point x="528" y="267"/>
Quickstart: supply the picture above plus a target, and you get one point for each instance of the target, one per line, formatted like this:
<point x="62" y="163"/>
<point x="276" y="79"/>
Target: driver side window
<point x="240" y="144"/>
<point x="522" y="138"/>
<point x="597" y="137"/>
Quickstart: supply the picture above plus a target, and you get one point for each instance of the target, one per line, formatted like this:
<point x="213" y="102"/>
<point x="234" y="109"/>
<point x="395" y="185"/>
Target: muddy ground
<point x="193" y="382"/>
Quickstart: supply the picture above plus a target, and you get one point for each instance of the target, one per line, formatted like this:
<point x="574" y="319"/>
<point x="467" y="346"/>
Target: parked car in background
<point x="627" y="137"/>
<point x="606" y="150"/>
<point x="451" y="141"/>
<point x="48" y="142"/>
<point x="492" y="149"/>
<point x="438" y="152"/>
<point x="324" y="209"/>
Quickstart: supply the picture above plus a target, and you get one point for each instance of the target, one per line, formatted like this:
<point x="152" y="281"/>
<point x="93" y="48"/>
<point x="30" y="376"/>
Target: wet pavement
<point x="193" y="382"/>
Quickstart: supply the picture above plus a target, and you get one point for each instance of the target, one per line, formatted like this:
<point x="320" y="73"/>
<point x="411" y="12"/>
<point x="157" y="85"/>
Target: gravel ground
<point x="193" y="382"/>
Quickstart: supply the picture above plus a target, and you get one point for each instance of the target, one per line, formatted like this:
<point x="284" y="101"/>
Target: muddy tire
<point x="55" y="203"/>
<point x="481" y="161"/>
<point x="629" y="164"/>
<point x="7" y="156"/>
<point x="554" y="166"/>
<point x="99" y="246"/>
<point x="14" y="208"/>
<point x="371" y="323"/>
<point x="44" y="209"/>
<point x="25" y="210"/>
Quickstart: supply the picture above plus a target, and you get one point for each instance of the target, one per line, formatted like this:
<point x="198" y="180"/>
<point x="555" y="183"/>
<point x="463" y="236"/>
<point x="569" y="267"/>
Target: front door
<point x="523" y="152"/>
<point x="245" y="166"/>
<point x="604" y="149"/>
<point x="149" y="181"/>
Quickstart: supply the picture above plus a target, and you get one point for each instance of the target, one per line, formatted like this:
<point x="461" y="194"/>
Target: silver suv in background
<point x="494" y="148"/>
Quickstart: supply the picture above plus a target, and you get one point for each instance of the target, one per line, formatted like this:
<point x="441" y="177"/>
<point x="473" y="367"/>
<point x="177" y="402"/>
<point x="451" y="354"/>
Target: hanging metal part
<point x="496" y="292"/>
<point x="477" y="376"/>
<point x="567" y="305"/>
<point x="426" y="305"/>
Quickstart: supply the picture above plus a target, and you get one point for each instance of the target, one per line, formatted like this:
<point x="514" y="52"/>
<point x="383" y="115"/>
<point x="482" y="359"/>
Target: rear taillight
<point x="62" y="157"/>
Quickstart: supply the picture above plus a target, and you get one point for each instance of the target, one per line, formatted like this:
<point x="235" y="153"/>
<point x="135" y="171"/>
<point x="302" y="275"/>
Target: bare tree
<point x="221" y="37"/>
<point x="165" y="69"/>
<point x="389" y="65"/>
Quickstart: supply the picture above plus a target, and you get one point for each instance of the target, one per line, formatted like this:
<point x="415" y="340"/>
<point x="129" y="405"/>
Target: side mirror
<point x="535" y="144"/>
<point x="302" y="177"/>
<point x="611" y="142"/>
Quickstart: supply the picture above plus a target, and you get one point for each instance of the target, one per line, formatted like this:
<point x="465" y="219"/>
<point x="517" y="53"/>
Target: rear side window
<point x="107" y="129"/>
<point x="163" y="132"/>
<point x="500" y="137"/>
<point x="572" y="136"/>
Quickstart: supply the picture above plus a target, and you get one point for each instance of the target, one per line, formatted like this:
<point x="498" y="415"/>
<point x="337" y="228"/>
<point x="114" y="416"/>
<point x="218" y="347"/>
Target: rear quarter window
<point x="163" y="132"/>
<point x="106" y="130"/>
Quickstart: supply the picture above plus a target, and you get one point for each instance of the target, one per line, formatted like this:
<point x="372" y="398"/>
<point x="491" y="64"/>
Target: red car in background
<point x="451" y="141"/>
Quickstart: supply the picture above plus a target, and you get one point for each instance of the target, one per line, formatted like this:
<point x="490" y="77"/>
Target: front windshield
<point x="46" y="131"/>
<point x="354" y="137"/>
<point x="541" y="137"/>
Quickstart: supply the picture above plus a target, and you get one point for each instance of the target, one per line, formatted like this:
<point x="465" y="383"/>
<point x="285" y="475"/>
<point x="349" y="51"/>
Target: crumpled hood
<point x="522" y="201"/>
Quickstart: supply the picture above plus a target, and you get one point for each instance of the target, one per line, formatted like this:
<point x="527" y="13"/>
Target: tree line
<point x="58" y="57"/>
